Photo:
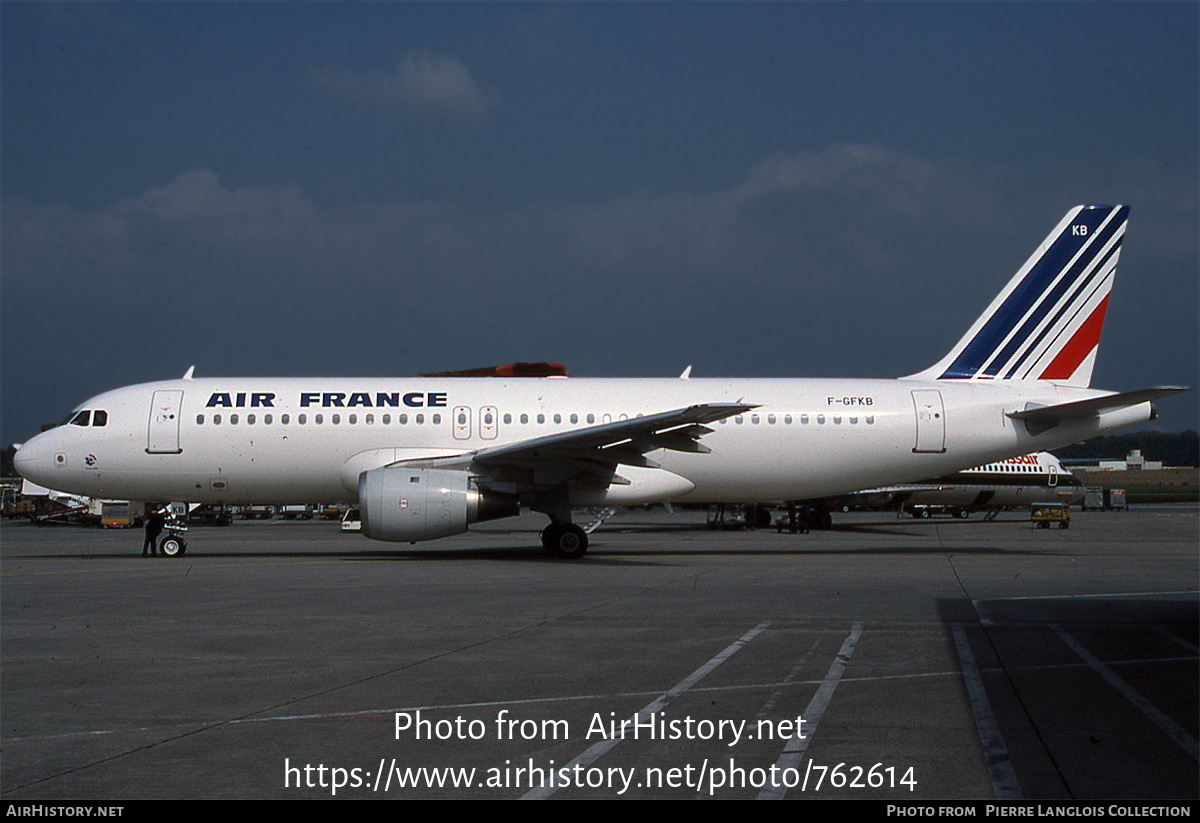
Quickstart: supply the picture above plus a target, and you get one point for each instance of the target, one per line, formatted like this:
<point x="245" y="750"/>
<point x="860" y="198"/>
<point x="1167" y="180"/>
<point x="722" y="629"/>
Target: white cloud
<point x="422" y="84"/>
<point x="760" y="228"/>
<point x="889" y="180"/>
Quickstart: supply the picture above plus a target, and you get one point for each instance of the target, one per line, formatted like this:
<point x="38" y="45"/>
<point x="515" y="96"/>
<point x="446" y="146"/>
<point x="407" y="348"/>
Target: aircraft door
<point x="163" y="436"/>
<point x="462" y="423"/>
<point x="931" y="421"/>
<point x="487" y="422"/>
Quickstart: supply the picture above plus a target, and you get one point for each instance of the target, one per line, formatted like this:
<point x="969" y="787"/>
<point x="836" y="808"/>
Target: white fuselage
<point x="281" y="440"/>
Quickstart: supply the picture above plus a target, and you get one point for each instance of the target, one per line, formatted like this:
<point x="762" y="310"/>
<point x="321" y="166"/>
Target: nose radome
<point x="28" y="457"/>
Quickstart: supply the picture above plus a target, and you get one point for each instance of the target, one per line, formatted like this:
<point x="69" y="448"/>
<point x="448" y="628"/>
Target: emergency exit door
<point x="487" y="422"/>
<point x="462" y="423"/>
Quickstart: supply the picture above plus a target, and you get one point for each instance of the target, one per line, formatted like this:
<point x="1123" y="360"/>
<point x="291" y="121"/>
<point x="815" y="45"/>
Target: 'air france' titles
<point x="331" y="400"/>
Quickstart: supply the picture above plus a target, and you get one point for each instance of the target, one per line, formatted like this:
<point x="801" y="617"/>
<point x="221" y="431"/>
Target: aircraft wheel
<point x="172" y="546"/>
<point x="762" y="517"/>
<point x="565" y="540"/>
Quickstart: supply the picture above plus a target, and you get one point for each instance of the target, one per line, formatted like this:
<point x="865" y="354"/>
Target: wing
<point x="591" y="455"/>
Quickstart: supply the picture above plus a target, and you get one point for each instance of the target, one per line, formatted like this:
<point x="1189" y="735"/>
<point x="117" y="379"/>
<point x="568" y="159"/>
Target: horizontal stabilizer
<point x="1041" y="418"/>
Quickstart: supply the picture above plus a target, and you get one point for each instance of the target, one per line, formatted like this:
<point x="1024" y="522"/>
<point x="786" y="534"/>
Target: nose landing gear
<point x="174" y="544"/>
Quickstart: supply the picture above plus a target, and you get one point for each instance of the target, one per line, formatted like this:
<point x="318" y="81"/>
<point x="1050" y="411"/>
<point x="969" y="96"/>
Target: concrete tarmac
<point x="884" y="659"/>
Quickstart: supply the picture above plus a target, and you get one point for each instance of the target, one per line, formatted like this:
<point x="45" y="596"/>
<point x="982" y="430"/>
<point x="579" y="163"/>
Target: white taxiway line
<point x="995" y="753"/>
<point x="794" y="751"/>
<point x="596" y="750"/>
<point x="1157" y="717"/>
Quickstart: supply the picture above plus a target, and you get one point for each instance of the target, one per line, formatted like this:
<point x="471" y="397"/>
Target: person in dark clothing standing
<point x="154" y="527"/>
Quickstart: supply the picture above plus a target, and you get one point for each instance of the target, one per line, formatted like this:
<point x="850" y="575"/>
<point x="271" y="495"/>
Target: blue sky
<point x="786" y="189"/>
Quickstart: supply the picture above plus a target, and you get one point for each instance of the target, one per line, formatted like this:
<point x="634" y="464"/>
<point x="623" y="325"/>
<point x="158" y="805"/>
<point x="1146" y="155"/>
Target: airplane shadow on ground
<point x="526" y="548"/>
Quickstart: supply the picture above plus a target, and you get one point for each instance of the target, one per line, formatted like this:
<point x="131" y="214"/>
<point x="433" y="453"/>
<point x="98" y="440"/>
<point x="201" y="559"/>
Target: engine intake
<point x="408" y="505"/>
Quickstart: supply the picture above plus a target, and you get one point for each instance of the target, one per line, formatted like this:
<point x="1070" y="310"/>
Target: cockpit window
<point x="87" y="417"/>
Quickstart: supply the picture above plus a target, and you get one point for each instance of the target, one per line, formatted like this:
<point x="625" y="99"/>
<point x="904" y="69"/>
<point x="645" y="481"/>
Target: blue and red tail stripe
<point x="1048" y="320"/>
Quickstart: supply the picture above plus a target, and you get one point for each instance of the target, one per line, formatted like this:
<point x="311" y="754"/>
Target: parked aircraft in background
<point x="426" y="457"/>
<point x="1015" y="482"/>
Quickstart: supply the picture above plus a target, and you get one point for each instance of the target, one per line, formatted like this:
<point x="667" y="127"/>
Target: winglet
<point x="188" y="374"/>
<point x="1046" y="323"/>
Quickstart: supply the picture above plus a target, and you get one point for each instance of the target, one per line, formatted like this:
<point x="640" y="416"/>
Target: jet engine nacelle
<point x="423" y="504"/>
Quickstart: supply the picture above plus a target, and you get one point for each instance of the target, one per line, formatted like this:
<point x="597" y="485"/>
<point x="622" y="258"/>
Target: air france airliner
<point x="424" y="458"/>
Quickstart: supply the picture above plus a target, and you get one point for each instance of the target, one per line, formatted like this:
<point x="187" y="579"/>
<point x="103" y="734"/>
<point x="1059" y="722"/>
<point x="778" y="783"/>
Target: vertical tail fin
<point x="1046" y="323"/>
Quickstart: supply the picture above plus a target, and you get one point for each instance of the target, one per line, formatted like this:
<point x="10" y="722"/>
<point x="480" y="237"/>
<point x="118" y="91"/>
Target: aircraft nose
<point x="29" y="456"/>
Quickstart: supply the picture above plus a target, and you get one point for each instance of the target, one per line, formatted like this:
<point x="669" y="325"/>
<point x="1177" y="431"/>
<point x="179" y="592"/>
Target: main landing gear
<point x="565" y="540"/>
<point x="561" y="538"/>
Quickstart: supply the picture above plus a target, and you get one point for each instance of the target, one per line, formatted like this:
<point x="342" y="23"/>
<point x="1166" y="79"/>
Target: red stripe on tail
<point x="1079" y="346"/>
